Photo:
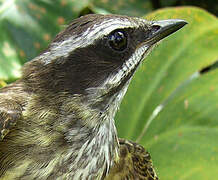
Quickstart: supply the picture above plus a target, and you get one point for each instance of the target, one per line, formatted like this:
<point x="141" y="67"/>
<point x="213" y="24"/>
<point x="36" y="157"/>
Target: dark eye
<point x="117" y="40"/>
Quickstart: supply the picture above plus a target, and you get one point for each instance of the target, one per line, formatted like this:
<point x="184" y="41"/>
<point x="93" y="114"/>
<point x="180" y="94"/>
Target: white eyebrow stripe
<point x="64" y="48"/>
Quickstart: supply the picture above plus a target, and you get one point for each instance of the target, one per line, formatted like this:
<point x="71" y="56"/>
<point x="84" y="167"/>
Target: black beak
<point x="162" y="29"/>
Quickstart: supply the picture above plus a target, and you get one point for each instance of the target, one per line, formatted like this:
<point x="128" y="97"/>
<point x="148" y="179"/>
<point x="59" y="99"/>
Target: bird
<point x="57" y="120"/>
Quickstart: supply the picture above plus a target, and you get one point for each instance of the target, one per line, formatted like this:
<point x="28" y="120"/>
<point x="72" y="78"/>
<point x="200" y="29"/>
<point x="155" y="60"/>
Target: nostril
<point x="155" y="28"/>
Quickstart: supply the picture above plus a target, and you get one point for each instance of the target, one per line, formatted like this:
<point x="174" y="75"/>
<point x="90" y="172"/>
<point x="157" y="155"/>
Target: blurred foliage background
<point x="171" y="106"/>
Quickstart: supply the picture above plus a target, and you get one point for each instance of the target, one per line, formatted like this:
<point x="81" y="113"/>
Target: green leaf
<point x="126" y="7"/>
<point x="9" y="62"/>
<point x="27" y="27"/>
<point x="186" y="153"/>
<point x="171" y="105"/>
<point x="2" y="83"/>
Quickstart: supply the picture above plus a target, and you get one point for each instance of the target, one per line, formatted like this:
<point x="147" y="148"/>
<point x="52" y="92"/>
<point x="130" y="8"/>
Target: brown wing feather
<point x="12" y="102"/>
<point x="134" y="163"/>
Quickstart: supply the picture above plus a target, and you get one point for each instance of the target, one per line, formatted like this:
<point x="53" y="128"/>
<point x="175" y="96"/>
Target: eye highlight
<point x="117" y="40"/>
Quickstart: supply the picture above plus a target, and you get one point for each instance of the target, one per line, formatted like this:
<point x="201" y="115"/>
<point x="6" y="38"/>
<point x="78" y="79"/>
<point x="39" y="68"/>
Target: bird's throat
<point x="92" y="140"/>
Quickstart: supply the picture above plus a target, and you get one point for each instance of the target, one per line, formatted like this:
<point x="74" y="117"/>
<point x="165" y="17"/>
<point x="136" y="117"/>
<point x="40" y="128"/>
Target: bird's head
<point x="96" y="56"/>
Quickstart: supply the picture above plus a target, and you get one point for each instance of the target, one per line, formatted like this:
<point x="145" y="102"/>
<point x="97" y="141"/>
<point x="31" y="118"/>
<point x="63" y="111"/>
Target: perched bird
<point x="57" y="121"/>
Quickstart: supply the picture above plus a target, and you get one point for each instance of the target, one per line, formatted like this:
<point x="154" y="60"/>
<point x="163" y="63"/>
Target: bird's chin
<point x="119" y="81"/>
<point x="143" y="56"/>
<point x="126" y="79"/>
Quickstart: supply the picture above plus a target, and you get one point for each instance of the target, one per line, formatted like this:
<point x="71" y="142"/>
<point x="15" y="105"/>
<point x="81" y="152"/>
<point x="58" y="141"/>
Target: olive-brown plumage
<point x="57" y="121"/>
<point x="134" y="163"/>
